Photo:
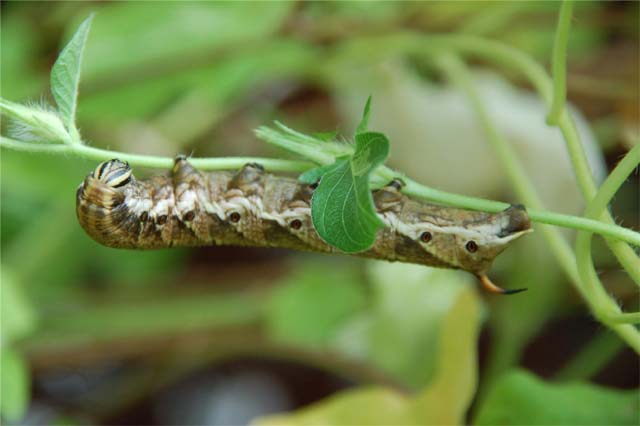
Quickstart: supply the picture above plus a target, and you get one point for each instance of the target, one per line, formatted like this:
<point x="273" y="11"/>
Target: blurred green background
<point x="224" y="335"/>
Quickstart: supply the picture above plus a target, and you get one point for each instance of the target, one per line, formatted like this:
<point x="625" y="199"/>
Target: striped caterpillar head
<point x="100" y="199"/>
<point x="113" y="173"/>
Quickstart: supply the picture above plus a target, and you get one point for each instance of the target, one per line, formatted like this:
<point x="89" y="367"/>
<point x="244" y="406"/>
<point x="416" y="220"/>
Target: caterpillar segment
<point x="250" y="207"/>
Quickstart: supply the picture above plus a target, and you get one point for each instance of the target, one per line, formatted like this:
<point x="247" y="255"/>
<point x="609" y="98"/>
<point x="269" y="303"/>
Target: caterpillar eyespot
<point x="425" y="237"/>
<point x="201" y="211"/>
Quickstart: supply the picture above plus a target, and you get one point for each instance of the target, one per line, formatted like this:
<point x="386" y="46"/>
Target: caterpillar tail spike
<point x="491" y="287"/>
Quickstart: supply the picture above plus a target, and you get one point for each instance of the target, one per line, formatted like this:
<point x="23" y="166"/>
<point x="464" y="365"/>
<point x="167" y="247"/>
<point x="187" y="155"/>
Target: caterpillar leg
<point x="489" y="286"/>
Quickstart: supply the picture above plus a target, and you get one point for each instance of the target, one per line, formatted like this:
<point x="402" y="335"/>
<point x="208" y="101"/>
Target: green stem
<point x="291" y="140"/>
<point x="417" y="190"/>
<point x="602" y="305"/>
<point x="559" y="116"/>
<point x="413" y="188"/>
<point x="151" y="161"/>
<point x="97" y="324"/>
<point x="456" y="70"/>
<point x="509" y="58"/>
<point x="605" y="308"/>
<point x="559" y="63"/>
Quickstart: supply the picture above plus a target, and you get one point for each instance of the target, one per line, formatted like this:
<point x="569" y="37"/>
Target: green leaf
<point x="519" y="397"/>
<point x="450" y="393"/>
<point x="445" y="401"/>
<point x="314" y="302"/>
<point x="314" y="175"/>
<point x="15" y="385"/>
<point x="364" y="406"/>
<point x="402" y="328"/>
<point x="65" y="74"/>
<point x="167" y="36"/>
<point x="342" y="208"/>
<point x="364" y="123"/>
<point x="325" y="136"/>
<point x="17" y="313"/>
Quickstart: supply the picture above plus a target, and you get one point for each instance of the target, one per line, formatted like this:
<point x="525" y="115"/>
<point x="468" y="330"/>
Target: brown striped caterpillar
<point x="253" y="208"/>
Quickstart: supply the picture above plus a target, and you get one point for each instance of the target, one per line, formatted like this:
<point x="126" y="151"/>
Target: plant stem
<point x="560" y="117"/>
<point x="559" y="63"/>
<point x="510" y="58"/>
<point x="605" y="309"/>
<point x="602" y="305"/>
<point x="131" y="321"/>
<point x="583" y="241"/>
<point x="291" y="140"/>
<point x="151" y="161"/>
<point x="457" y="72"/>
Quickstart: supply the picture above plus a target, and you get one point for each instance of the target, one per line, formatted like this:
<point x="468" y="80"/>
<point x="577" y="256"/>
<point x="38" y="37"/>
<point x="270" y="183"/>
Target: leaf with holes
<point x="342" y="208"/>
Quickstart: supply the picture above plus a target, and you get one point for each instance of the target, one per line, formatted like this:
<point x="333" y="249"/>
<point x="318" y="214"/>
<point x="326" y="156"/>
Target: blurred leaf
<point x="364" y="406"/>
<point x="17" y="314"/>
<point x="220" y="82"/>
<point x="313" y="303"/>
<point x="400" y="330"/>
<point x="519" y="397"/>
<point x="521" y="268"/>
<point x="18" y="56"/>
<point x="444" y="401"/>
<point x="65" y="74"/>
<point x="138" y="34"/>
<point x="342" y="206"/>
<point x="159" y="317"/>
<point x="449" y="394"/>
<point x="364" y="122"/>
<point x="14" y="385"/>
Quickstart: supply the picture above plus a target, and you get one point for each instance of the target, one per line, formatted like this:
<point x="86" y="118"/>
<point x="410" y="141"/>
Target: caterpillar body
<point x="250" y="207"/>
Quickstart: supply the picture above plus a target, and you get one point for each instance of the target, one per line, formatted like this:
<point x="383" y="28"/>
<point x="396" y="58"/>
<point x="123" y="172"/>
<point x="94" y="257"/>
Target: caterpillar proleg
<point x="250" y="207"/>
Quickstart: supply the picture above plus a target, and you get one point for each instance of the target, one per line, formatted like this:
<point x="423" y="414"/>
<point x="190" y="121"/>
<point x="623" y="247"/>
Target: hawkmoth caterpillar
<point x="250" y="207"/>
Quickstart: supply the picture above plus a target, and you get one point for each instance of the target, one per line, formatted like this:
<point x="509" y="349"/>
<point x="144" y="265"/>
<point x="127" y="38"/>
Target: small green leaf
<point x="325" y="136"/>
<point x="65" y="74"/>
<point x="342" y="208"/>
<point x="314" y="175"/>
<point x="14" y="385"/>
<point x="521" y="398"/>
<point x="364" y="123"/>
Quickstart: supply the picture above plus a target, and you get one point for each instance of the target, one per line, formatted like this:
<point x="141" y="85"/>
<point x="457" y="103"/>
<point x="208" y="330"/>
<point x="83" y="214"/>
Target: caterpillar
<point x="251" y="207"/>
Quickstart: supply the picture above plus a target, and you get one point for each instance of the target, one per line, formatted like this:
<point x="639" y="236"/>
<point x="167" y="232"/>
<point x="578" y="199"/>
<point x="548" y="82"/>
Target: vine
<point x="42" y="130"/>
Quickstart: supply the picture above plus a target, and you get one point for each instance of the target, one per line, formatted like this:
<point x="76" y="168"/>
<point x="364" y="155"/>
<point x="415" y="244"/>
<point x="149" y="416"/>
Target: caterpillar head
<point x="103" y="188"/>
<point x="469" y="240"/>
<point x="113" y="173"/>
